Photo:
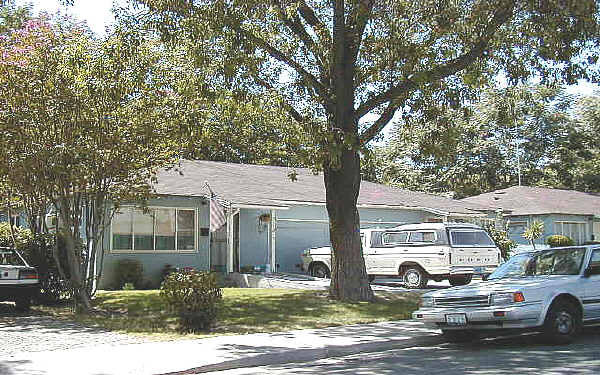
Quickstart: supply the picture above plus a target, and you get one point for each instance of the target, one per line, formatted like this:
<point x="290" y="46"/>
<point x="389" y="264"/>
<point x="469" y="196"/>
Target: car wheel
<point x="23" y="304"/>
<point x="562" y="323"/>
<point x="320" y="270"/>
<point x="459" y="335"/>
<point x="460" y="280"/>
<point x="414" y="278"/>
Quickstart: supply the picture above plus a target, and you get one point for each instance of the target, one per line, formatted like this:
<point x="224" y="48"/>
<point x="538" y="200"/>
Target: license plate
<point x="456" y="319"/>
<point x="477" y="269"/>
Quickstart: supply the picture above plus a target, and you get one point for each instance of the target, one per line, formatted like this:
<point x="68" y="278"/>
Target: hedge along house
<point x="567" y="212"/>
<point x="270" y="219"/>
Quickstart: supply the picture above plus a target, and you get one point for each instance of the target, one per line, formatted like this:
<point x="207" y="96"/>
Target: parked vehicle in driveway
<point x="18" y="281"/>
<point x="418" y="253"/>
<point x="555" y="291"/>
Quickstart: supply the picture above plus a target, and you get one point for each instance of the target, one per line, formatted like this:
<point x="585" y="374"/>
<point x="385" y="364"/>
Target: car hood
<point x="505" y="285"/>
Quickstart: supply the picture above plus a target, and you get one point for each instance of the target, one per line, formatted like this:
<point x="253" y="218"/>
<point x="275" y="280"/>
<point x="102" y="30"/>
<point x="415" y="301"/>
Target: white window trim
<point x="133" y="251"/>
<point x="582" y="234"/>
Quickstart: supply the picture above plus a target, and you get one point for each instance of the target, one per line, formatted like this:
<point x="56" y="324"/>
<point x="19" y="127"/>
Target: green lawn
<point x="244" y="311"/>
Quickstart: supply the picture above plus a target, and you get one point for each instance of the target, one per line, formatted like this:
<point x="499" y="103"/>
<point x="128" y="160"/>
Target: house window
<point x="572" y="229"/>
<point x="154" y="229"/>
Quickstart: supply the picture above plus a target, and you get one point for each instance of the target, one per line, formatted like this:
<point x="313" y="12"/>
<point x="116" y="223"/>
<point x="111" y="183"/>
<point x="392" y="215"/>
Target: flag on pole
<point x="217" y="215"/>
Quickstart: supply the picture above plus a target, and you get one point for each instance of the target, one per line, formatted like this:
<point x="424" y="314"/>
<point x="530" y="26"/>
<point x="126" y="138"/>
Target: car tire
<point x="562" y="323"/>
<point x="414" y="278"/>
<point x="460" y="280"/>
<point x="459" y="335"/>
<point x="321" y="271"/>
<point x="23" y="304"/>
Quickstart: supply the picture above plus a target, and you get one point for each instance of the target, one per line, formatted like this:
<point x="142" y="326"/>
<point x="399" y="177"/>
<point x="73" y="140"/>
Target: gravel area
<point x="21" y="333"/>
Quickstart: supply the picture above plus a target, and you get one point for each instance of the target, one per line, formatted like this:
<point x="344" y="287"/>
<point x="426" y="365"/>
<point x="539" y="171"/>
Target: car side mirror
<point x="592" y="270"/>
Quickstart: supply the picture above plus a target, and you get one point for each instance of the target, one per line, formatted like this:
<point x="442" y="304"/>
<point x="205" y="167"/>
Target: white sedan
<point x="555" y="291"/>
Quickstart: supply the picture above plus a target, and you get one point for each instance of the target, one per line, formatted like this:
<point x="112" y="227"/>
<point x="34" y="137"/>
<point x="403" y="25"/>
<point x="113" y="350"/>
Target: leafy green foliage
<point x="474" y="150"/>
<point x="534" y="231"/>
<point x="194" y="296"/>
<point x="129" y="271"/>
<point x="501" y="239"/>
<point x="557" y="240"/>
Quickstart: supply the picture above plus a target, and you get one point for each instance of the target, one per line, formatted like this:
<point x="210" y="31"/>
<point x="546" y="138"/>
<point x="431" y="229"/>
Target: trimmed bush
<point x="501" y="239"/>
<point x="194" y="296"/>
<point x="129" y="271"/>
<point x="558" y="240"/>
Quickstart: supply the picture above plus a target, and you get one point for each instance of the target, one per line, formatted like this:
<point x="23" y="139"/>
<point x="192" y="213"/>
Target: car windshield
<point x="9" y="257"/>
<point x="550" y="262"/>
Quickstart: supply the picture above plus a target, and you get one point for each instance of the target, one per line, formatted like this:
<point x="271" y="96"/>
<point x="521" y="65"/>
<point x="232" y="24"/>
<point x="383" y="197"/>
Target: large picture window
<point x="575" y="230"/>
<point x="154" y="229"/>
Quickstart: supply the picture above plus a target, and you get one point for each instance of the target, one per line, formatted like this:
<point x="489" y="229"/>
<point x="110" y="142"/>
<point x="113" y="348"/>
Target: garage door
<point x="293" y="237"/>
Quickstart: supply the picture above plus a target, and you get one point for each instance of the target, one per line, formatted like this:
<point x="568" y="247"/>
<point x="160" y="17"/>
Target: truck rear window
<point x="470" y="238"/>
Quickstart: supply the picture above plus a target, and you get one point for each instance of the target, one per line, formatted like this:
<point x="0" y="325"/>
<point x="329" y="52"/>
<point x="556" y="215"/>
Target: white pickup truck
<point x="418" y="252"/>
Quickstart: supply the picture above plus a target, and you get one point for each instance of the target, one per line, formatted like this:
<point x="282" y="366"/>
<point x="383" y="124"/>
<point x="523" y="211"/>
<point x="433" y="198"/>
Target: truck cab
<point x="417" y="253"/>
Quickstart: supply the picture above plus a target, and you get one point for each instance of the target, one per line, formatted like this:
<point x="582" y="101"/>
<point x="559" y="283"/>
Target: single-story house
<point x="571" y="213"/>
<point x="270" y="219"/>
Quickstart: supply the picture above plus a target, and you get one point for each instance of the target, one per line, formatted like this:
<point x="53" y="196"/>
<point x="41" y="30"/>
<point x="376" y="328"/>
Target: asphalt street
<point x="527" y="354"/>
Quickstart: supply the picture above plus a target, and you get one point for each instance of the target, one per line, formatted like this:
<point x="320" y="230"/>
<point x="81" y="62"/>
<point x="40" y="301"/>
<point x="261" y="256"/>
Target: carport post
<point x="273" y="231"/>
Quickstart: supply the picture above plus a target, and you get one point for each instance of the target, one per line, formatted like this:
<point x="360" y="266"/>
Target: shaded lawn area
<point x="243" y="311"/>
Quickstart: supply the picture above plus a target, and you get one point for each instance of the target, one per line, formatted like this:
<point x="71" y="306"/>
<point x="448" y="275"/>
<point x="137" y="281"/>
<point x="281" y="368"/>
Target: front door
<point x="591" y="299"/>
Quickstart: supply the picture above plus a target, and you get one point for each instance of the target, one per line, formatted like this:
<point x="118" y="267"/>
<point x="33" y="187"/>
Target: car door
<point x="591" y="299"/>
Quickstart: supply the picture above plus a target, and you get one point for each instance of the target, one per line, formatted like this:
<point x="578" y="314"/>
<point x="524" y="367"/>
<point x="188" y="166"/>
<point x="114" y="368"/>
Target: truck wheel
<point x="414" y="278"/>
<point x="562" y="323"/>
<point x="459" y="335"/>
<point x="460" y="280"/>
<point x="320" y="270"/>
<point x="22" y="304"/>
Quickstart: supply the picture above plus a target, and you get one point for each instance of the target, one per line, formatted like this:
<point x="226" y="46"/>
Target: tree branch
<point x="295" y="25"/>
<point x="287" y="106"/>
<point x="442" y="71"/>
<point x="379" y="124"/>
<point x="357" y="22"/>
<point x="317" y="25"/>
<point x="278" y="55"/>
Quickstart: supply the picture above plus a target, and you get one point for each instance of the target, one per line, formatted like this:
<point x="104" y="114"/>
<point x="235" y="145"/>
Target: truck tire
<point x="320" y="270"/>
<point x="460" y="280"/>
<point x="414" y="278"/>
<point x="23" y="304"/>
<point x="563" y="322"/>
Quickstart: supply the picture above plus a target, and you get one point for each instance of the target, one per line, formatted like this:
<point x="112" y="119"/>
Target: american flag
<point x="217" y="215"/>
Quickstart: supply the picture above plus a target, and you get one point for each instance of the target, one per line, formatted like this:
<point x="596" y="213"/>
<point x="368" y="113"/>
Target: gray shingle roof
<point x="268" y="185"/>
<point x="526" y="200"/>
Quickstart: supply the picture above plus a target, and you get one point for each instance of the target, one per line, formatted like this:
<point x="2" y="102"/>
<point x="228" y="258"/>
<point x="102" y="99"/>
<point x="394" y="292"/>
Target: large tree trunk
<point x="349" y="281"/>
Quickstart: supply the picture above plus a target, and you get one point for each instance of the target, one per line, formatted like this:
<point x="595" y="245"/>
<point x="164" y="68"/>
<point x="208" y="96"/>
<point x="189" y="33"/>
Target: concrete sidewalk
<point x="221" y="353"/>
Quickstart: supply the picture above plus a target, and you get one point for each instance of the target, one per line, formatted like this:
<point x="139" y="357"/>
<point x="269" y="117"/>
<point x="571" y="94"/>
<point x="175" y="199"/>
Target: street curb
<point x="307" y="355"/>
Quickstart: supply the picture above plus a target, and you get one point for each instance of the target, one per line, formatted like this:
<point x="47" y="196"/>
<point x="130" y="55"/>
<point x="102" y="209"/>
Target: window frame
<point x="583" y="234"/>
<point x="451" y="240"/>
<point x="174" y="251"/>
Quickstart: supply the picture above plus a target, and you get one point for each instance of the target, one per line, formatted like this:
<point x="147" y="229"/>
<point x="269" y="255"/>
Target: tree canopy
<point x="335" y="62"/>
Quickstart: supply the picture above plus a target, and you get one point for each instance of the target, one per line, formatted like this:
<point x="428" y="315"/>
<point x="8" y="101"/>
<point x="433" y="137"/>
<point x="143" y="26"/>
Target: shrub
<point x="194" y="296"/>
<point x="501" y="239"/>
<point x="557" y="240"/>
<point x="166" y="271"/>
<point x="129" y="271"/>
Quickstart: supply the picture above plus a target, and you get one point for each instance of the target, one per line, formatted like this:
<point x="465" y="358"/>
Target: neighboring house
<point x="270" y="220"/>
<point x="567" y="212"/>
